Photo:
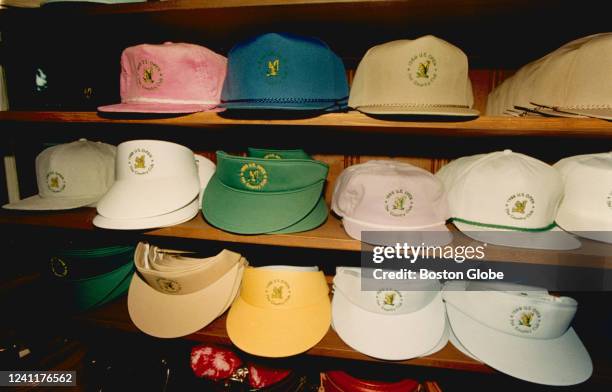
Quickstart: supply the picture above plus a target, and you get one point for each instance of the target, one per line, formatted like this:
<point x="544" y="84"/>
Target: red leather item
<point x="213" y="363"/>
<point x="261" y="376"/>
<point x="338" y="381"/>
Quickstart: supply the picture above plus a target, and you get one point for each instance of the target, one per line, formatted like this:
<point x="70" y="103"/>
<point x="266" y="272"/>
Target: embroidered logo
<point x="87" y="92"/>
<point x="520" y="206"/>
<point x="253" y="176"/>
<point x="525" y="319"/>
<point x="389" y="300"/>
<point x="140" y="161"/>
<point x="55" y="182"/>
<point x="59" y="267"/>
<point x="273" y="66"/>
<point x="168" y="286"/>
<point x="150" y="75"/>
<point x="272" y="155"/>
<point x="278" y="291"/>
<point x="398" y="202"/>
<point x="41" y="80"/>
<point x="422" y="69"/>
<point x="609" y="202"/>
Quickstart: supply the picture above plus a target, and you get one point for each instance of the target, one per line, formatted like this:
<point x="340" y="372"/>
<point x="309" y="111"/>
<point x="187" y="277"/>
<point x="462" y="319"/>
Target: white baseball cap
<point x="175" y="295"/>
<point x="525" y="334"/>
<point x="71" y="175"/>
<point x="424" y="76"/>
<point x="392" y="196"/>
<point x="506" y="198"/>
<point x="586" y="209"/>
<point x="153" y="178"/>
<point x="576" y="80"/>
<point x="387" y="324"/>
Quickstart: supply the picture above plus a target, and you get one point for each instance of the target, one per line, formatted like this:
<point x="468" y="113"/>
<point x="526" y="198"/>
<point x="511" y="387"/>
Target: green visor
<point x="250" y="195"/>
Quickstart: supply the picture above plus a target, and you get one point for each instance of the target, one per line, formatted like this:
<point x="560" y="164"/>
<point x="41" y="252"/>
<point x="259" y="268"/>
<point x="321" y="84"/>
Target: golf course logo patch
<point x="141" y="161"/>
<point x="520" y="206"/>
<point x="389" y="300"/>
<point x="253" y="176"/>
<point x="525" y="319"/>
<point x="59" y="267"/>
<point x="55" y="182"/>
<point x="168" y="286"/>
<point x="272" y="155"/>
<point x="398" y="202"/>
<point x="150" y="75"/>
<point x="422" y="69"/>
<point x="278" y="291"/>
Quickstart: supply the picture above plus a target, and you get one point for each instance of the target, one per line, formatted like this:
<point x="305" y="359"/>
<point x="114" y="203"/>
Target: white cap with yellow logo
<point x="281" y="311"/>
<point x="506" y="198"/>
<point x="386" y="323"/>
<point x="523" y="333"/>
<point x="71" y="175"/>
<point x="404" y="202"/>
<point x="175" y="295"/>
<point x="424" y="76"/>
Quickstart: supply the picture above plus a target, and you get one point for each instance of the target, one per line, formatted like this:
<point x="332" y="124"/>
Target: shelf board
<point x="330" y="235"/>
<point x="115" y="316"/>
<point x="352" y="121"/>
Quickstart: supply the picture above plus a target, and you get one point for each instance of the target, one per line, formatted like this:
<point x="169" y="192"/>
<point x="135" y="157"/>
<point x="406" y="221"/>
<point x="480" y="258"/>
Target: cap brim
<point x="555" y="238"/>
<point x="277" y="333"/>
<point x="312" y="106"/>
<point x="399" y="110"/>
<point x="245" y="212"/>
<point x="452" y="338"/>
<point x="37" y="203"/>
<point x="430" y="236"/>
<point x="390" y="337"/>
<point x="583" y="226"/>
<point x="170" y="316"/>
<point x="173" y="218"/>
<point x="443" y="340"/>
<point x="135" y="199"/>
<point x="314" y="219"/>
<point x="560" y="361"/>
<point x="159" y="108"/>
<point x="603" y="113"/>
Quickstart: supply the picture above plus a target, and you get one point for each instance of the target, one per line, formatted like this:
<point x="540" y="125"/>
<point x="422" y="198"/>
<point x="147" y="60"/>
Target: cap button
<point x="507" y="152"/>
<point x="168" y="43"/>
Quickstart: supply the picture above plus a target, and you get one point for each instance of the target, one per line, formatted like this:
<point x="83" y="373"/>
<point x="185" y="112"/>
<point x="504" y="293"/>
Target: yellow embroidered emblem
<point x="273" y="67"/>
<point x="253" y="176"/>
<point x="423" y="69"/>
<point x="168" y="286"/>
<point x="389" y="299"/>
<point x="277" y="292"/>
<point x="139" y="162"/>
<point x="398" y="202"/>
<point x="519" y="206"/>
<point x="526" y="318"/>
<point x="147" y="75"/>
<point x="54" y="182"/>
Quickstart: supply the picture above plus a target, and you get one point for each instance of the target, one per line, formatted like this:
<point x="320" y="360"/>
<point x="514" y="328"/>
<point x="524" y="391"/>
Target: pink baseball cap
<point x="404" y="202"/>
<point x="169" y="78"/>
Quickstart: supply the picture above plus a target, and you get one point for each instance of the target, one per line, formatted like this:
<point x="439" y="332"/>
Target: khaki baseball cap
<point x="425" y="76"/>
<point x="175" y="295"/>
<point x="71" y="175"/>
<point x="281" y="311"/>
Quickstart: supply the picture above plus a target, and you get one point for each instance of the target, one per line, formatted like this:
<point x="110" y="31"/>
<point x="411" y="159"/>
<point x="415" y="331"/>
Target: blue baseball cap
<point x="284" y="71"/>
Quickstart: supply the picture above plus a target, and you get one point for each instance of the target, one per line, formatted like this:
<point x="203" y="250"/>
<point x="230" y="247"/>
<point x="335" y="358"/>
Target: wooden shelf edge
<point x="329" y="236"/>
<point x="115" y="316"/>
<point x="351" y="121"/>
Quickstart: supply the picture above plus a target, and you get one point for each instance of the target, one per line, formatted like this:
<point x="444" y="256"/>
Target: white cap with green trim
<point x="506" y="198"/>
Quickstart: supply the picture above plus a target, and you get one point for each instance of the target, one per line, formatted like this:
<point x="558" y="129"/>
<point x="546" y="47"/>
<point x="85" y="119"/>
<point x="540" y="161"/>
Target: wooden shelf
<point x="330" y="235"/>
<point x="352" y="121"/>
<point x="115" y="316"/>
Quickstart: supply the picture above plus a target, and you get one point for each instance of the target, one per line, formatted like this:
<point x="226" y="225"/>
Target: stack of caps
<point x="271" y="191"/>
<point x="521" y="331"/>
<point x="506" y="198"/>
<point x="84" y="278"/>
<point x="571" y="81"/>
<point x="281" y="311"/>
<point x="404" y="202"/>
<point x="158" y="184"/>
<point x="284" y="72"/>
<point x="413" y="319"/>
<point x="71" y="175"/>
<point x="175" y="295"/>
<point x="426" y="76"/>
<point x="169" y="78"/>
<point x="586" y="209"/>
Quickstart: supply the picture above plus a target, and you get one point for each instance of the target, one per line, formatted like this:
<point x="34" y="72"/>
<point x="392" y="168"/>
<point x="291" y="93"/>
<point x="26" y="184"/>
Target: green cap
<point x="251" y="195"/>
<point x="268" y="153"/>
